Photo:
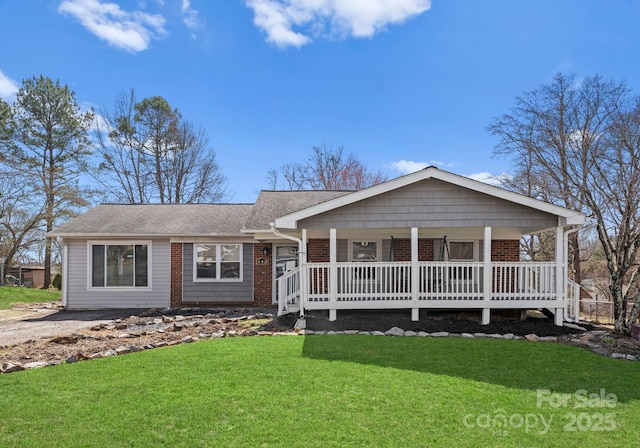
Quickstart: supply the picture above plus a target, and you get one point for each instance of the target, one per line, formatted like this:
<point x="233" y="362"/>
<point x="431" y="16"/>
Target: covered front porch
<point x="484" y="282"/>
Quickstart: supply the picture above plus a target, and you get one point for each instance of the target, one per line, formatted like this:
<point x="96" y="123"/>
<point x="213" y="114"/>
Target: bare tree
<point x="327" y="168"/>
<point x="20" y="220"/>
<point x="150" y="153"/>
<point x="583" y="140"/>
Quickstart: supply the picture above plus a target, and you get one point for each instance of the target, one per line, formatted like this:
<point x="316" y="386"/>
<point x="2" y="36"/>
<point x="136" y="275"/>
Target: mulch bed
<point x="451" y="321"/>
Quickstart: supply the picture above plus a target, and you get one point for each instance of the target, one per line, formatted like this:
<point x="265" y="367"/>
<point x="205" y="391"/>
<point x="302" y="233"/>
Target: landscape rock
<point x="376" y="333"/>
<point x="351" y="332"/>
<point x="65" y="340"/>
<point x="479" y="335"/>
<point x="35" y="365"/>
<point x="187" y="339"/>
<point x="423" y="334"/>
<point x="135" y="349"/>
<point x="410" y="333"/>
<point x="532" y="337"/>
<point x="10" y="367"/>
<point x="549" y="339"/>
<point x="440" y="334"/>
<point x="122" y="350"/>
<point x="71" y="359"/>
<point x="467" y="335"/>
<point x="574" y="326"/>
<point x="618" y="355"/>
<point x="367" y="333"/>
<point x="394" y="331"/>
<point x="601" y="351"/>
<point x="301" y="324"/>
<point x="509" y="336"/>
<point x="110" y="353"/>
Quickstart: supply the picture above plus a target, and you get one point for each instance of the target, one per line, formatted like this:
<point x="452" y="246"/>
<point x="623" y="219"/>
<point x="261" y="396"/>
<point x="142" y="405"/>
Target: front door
<point x="285" y="259"/>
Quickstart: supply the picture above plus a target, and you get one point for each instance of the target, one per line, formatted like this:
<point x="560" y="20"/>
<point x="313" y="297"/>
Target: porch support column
<point x="302" y="262"/>
<point x="415" y="274"/>
<point x="560" y="276"/>
<point x="486" y="277"/>
<point x="333" y="273"/>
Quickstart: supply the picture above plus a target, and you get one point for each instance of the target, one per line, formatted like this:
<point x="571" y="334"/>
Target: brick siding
<point x="262" y="275"/>
<point x="505" y="250"/>
<point x="402" y="249"/>
<point x="176" y="274"/>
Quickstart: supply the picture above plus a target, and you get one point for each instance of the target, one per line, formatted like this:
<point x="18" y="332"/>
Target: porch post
<point x="560" y="275"/>
<point x="333" y="273"/>
<point x="486" y="277"/>
<point x="415" y="274"/>
<point x="302" y="262"/>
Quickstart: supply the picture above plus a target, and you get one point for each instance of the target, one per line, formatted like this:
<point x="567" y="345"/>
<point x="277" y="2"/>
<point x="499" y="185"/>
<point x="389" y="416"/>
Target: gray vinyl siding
<point x="217" y="291"/>
<point x="79" y="296"/>
<point x="430" y="203"/>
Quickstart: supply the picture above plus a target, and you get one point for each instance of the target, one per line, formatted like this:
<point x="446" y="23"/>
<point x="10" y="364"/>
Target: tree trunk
<point x="619" y="304"/>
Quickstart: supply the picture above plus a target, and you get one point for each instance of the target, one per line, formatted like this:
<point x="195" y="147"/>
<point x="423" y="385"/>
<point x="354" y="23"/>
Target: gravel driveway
<point x="20" y="326"/>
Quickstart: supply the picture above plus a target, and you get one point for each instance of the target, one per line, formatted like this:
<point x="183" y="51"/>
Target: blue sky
<point x="401" y="83"/>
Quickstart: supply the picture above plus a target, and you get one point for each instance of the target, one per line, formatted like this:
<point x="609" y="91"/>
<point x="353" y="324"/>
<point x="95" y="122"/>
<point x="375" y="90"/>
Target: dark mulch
<point x="451" y="321"/>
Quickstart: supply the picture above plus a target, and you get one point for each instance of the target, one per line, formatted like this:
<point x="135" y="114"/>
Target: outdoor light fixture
<point x="266" y="250"/>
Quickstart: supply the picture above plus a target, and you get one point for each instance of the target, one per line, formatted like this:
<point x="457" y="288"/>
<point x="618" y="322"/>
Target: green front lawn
<point x="13" y="294"/>
<point x="327" y="391"/>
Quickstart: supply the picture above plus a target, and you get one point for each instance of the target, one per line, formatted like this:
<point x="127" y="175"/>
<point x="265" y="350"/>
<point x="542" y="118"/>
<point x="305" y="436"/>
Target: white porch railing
<point x="440" y="284"/>
<point x="573" y="301"/>
<point x="523" y="281"/>
<point x="289" y="291"/>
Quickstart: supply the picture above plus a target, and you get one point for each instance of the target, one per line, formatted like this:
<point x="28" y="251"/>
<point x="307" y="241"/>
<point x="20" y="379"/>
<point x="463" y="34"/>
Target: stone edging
<point x="591" y="340"/>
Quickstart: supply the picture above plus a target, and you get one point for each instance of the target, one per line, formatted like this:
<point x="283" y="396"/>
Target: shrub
<point x="57" y="281"/>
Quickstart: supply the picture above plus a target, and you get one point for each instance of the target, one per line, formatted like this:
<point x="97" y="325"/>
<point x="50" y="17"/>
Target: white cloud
<point x="486" y="177"/>
<point x="356" y="18"/>
<point x="8" y="88"/>
<point x="129" y="30"/>
<point x="190" y="16"/>
<point x="408" y="166"/>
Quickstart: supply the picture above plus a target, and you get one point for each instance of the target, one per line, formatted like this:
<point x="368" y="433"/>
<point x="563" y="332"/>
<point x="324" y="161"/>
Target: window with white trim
<point x="365" y="251"/>
<point x="120" y="264"/>
<point x="217" y="262"/>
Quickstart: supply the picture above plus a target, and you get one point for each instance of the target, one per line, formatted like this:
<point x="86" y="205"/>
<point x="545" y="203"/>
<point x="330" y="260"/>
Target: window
<point x="461" y="251"/>
<point x="217" y="262"/>
<point x="365" y="252"/>
<point x="120" y="265"/>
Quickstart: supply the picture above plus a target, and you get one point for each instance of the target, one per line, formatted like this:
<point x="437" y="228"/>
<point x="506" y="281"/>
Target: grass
<point x="325" y="391"/>
<point x="12" y="294"/>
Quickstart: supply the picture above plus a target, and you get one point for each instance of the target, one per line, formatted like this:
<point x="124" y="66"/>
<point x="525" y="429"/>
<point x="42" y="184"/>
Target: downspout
<point x="301" y="256"/>
<point x="65" y="273"/>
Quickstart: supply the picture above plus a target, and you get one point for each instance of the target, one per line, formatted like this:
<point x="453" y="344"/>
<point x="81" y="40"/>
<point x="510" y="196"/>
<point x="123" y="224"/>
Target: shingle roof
<point x="273" y="204"/>
<point x="158" y="219"/>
